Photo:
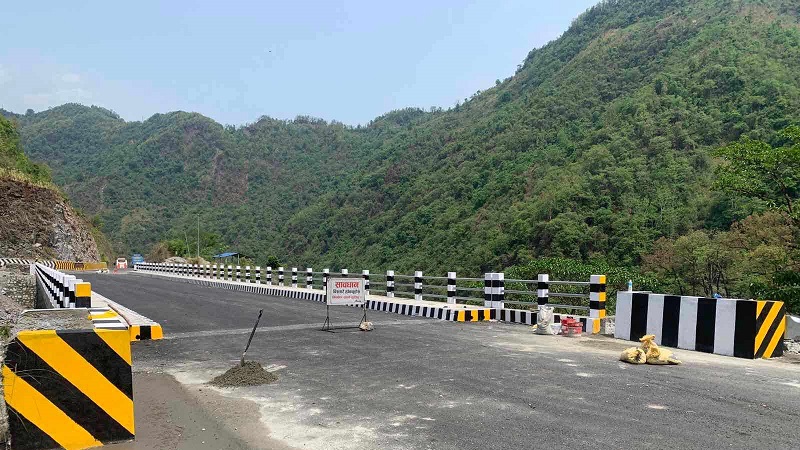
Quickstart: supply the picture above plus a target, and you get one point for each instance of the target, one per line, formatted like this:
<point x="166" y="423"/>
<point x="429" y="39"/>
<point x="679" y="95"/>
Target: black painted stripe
<point x="639" y="304"/>
<point x="773" y="327"/>
<point x="706" y="321"/>
<point x="25" y="434"/>
<point x="744" y="333"/>
<point x="597" y="288"/>
<point x="64" y="395"/>
<point x="670" y="320"/>
<point x="102" y="357"/>
<point x="763" y="316"/>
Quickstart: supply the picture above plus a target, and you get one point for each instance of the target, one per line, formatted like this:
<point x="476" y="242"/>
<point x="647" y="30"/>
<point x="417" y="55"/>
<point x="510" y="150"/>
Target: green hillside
<point x="597" y="147"/>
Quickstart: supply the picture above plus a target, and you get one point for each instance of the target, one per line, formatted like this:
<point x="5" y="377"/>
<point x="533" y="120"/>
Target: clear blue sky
<point x="234" y="61"/>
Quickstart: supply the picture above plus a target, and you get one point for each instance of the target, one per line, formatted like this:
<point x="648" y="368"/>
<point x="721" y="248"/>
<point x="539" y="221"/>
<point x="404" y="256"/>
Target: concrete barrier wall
<point x="70" y="389"/>
<point x="733" y="327"/>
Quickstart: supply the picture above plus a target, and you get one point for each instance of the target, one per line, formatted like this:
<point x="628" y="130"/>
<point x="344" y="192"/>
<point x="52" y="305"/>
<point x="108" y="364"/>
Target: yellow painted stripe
<point x="475" y="315"/>
<point x="104" y="315"/>
<point x="601" y="313"/>
<point x="460" y="315"/>
<point x="71" y="365"/>
<point x="602" y="279"/>
<point x="156" y="332"/>
<point x="601" y="296"/>
<point x="759" y="306"/>
<point x="776" y="338"/>
<point x="595" y="326"/>
<point x="83" y="289"/>
<point x="762" y="332"/>
<point x="44" y="414"/>
<point x="119" y="341"/>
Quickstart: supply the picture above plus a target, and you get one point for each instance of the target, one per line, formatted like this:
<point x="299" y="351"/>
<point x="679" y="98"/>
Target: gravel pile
<point x="251" y="374"/>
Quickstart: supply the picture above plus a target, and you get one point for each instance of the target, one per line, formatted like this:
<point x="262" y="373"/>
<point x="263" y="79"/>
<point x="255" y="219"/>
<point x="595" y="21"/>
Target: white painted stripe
<point x="687" y="325"/>
<point x="655" y="315"/>
<point x="724" y="327"/>
<point x="622" y="322"/>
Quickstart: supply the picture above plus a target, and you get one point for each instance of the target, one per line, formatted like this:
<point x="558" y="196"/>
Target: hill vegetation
<point x="599" y="152"/>
<point x="37" y="220"/>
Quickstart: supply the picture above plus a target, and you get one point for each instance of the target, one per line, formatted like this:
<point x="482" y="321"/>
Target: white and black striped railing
<point x="490" y="290"/>
<point x="59" y="290"/>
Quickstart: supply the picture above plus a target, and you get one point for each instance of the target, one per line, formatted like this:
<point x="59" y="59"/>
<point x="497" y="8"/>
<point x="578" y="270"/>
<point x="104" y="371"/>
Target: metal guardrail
<point x="450" y="288"/>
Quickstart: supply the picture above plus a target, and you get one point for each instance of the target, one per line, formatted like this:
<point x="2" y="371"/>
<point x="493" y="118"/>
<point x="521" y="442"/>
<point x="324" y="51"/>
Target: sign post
<point x="344" y="292"/>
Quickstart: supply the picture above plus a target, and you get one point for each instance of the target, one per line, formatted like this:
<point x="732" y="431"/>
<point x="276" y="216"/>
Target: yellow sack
<point x="633" y="355"/>
<point x="654" y="354"/>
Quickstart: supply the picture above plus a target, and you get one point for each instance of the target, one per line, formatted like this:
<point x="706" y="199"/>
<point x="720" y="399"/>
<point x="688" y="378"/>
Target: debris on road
<point x="366" y="326"/>
<point x="249" y="374"/>
<point x="544" y="321"/>
<point x="649" y="353"/>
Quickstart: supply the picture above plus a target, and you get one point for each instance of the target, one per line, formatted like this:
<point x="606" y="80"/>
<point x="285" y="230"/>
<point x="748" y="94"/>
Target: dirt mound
<point x="251" y="374"/>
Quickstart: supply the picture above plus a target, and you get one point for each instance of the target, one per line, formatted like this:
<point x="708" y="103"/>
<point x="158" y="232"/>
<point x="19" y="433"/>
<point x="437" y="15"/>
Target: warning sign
<point x="346" y="291"/>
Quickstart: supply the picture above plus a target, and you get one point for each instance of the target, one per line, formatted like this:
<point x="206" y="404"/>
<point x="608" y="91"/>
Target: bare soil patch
<point x="250" y="374"/>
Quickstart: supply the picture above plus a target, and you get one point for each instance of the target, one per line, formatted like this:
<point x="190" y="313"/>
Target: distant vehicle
<point x="137" y="259"/>
<point x="121" y="263"/>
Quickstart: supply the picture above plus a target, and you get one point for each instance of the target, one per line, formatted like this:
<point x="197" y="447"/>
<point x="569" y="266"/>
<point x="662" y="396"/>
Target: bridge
<point x="416" y="382"/>
<point x="450" y="364"/>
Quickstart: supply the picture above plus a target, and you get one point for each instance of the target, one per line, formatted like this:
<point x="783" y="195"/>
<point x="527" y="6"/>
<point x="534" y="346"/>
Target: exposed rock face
<point x="36" y="222"/>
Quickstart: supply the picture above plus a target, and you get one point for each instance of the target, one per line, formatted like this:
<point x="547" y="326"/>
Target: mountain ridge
<point x="597" y="146"/>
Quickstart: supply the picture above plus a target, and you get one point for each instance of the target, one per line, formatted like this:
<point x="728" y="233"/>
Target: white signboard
<point x="346" y="291"/>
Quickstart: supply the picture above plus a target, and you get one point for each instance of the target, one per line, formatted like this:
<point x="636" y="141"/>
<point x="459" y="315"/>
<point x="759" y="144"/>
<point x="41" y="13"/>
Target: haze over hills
<point x="599" y="145"/>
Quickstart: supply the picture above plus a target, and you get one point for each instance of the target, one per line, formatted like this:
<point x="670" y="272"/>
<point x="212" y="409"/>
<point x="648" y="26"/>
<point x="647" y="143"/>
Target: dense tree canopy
<point x="598" y="150"/>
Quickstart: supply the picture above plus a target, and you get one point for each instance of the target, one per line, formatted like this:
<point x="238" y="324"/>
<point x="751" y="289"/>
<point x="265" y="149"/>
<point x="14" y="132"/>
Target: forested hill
<point x="597" y="146"/>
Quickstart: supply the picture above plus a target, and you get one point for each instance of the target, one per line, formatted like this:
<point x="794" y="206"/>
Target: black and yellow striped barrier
<point x="77" y="266"/>
<point x="70" y="389"/>
<point x="770" y="329"/>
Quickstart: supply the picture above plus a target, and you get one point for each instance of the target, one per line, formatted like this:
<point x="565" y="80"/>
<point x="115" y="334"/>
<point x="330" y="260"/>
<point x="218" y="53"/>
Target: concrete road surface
<point x="426" y="384"/>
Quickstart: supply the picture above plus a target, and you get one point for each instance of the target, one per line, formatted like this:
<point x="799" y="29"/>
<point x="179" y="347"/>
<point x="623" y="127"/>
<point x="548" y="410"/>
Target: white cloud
<point x="70" y="78"/>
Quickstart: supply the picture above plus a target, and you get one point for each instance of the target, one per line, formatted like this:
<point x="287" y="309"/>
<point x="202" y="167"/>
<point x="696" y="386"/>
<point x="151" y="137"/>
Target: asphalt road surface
<point x="420" y="383"/>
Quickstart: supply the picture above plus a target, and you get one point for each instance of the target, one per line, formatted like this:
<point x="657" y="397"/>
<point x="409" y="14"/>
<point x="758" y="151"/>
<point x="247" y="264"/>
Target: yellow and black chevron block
<point x="70" y="389"/>
<point x="770" y="329"/>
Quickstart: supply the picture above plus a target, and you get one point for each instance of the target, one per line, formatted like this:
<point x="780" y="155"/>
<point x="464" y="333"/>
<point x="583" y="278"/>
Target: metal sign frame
<point x="327" y="325"/>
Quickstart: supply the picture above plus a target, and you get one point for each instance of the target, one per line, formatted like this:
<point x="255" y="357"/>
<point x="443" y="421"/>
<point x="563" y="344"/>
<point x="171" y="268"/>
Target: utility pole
<point x="198" y="238"/>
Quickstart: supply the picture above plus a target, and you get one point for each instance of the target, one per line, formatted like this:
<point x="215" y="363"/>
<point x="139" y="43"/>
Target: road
<point x="426" y="384"/>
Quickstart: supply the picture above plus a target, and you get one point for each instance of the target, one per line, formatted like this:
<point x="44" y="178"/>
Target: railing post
<point x="230" y="272"/>
<point x="451" y="287"/>
<point x="309" y="278"/>
<point x="214" y="271"/>
<point x="325" y="274"/>
<point x="487" y="290"/>
<point x="269" y="276"/>
<point x="280" y="276"/>
<point x="499" y="291"/>
<point x="390" y="283"/>
<point x="418" y="285"/>
<point x="246" y="274"/>
<point x="345" y="273"/>
<point x="597" y="296"/>
<point x="365" y="274"/>
<point x="294" y="277"/>
<point x="543" y="289"/>
<point x="238" y="273"/>
<point x="258" y="274"/>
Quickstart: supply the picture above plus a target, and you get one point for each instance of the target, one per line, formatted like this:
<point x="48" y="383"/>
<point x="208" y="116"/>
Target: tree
<point x="756" y="169"/>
